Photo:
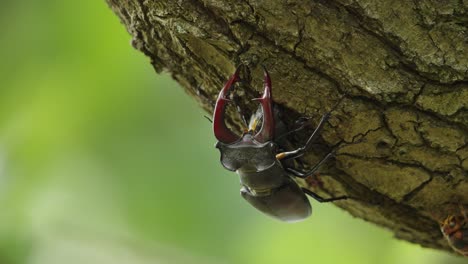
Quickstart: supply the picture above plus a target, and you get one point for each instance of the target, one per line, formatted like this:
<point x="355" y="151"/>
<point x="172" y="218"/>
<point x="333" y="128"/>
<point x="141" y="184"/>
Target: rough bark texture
<point x="402" y="67"/>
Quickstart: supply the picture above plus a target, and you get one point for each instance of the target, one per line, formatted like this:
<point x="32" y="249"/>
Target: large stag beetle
<point x="267" y="182"/>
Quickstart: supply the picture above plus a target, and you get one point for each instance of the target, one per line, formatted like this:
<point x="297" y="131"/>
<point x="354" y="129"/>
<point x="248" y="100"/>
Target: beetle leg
<point x="311" y="181"/>
<point x="302" y="122"/>
<point x="315" y="168"/>
<point x="221" y="131"/>
<point x="321" y="199"/>
<point x="302" y="150"/>
<point x="297" y="173"/>
<point x="304" y="175"/>
<point x="316" y="132"/>
<point x="266" y="133"/>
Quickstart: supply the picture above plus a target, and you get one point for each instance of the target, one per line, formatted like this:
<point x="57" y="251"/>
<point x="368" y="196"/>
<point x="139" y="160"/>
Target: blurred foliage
<point x="103" y="161"/>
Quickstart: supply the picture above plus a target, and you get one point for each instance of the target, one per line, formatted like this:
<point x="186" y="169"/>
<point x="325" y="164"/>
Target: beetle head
<point x="224" y="134"/>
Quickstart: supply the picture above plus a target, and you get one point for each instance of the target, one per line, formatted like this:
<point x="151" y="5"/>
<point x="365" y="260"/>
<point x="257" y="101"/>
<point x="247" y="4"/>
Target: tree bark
<point x="401" y="66"/>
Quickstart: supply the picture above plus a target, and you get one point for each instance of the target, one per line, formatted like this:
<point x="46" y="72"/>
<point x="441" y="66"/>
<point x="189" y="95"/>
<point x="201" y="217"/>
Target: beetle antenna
<point x="209" y="119"/>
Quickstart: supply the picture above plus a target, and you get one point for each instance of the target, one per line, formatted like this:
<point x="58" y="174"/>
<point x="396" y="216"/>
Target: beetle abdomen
<point x="287" y="203"/>
<point x="270" y="177"/>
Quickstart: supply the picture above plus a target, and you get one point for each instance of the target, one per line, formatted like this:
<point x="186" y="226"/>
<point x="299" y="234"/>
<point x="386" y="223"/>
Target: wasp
<point x="455" y="230"/>
<point x="267" y="182"/>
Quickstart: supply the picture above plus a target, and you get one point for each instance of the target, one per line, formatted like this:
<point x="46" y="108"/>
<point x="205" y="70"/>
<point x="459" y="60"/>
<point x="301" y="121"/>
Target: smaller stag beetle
<point x="267" y="183"/>
<point x="455" y="230"/>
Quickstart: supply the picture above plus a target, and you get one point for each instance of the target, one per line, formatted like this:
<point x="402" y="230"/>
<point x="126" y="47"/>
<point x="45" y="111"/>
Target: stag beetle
<point x="266" y="182"/>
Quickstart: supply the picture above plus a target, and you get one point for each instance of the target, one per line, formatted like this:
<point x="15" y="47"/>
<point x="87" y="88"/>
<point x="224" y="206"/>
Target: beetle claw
<point x="266" y="133"/>
<point x="221" y="131"/>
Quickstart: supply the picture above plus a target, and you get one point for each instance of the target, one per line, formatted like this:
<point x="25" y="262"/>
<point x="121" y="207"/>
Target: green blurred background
<point x="104" y="161"/>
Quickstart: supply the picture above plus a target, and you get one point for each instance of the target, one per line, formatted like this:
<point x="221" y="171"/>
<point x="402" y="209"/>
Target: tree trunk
<point x="401" y="67"/>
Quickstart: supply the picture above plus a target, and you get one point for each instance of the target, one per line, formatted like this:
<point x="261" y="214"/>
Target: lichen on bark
<point x="401" y="67"/>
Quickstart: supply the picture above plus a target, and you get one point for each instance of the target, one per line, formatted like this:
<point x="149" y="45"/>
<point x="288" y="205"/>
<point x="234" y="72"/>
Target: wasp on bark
<point x="455" y="230"/>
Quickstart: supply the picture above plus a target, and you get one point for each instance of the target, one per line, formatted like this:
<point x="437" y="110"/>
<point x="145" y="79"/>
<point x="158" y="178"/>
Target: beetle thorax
<point x="248" y="154"/>
<point x="255" y="162"/>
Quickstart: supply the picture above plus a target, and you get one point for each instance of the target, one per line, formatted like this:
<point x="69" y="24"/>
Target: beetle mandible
<point x="267" y="183"/>
<point x="455" y="230"/>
